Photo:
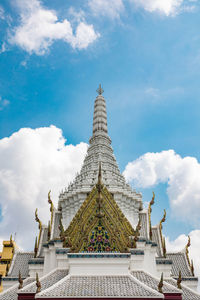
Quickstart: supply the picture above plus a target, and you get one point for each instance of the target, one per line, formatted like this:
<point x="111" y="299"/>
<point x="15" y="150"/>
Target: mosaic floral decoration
<point x="99" y="240"/>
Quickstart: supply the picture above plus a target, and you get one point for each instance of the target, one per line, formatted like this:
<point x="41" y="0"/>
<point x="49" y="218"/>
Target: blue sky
<point x="145" y="54"/>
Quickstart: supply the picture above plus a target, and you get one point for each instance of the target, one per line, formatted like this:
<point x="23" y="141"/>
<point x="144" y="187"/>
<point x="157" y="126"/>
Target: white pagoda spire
<point x="100" y="152"/>
<point x="100" y="114"/>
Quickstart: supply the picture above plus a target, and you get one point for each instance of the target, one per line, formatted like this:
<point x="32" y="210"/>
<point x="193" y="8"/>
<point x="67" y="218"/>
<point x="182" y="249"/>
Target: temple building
<point x="100" y="241"/>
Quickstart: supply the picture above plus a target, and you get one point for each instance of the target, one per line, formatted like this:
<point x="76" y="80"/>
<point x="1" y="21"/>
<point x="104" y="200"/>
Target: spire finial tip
<point x="100" y="90"/>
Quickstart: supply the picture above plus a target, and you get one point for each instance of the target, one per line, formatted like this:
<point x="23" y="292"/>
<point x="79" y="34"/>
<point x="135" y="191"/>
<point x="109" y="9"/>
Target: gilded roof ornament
<point x="11" y="241"/>
<point x="161" y="236"/>
<point x="87" y="229"/>
<point x="39" y="225"/>
<point x="187" y="251"/>
<point x="51" y="210"/>
<point x="37" y="219"/>
<point x="179" y="280"/>
<point x="160" y="285"/>
<point x="100" y="90"/>
<point x="163" y="219"/>
<point x="192" y="268"/>
<point x="35" y="248"/>
<point x="49" y="231"/>
<point x="50" y="201"/>
<point x="149" y="213"/>
<point x="20" y="281"/>
<point x="152" y="200"/>
<point x="38" y="284"/>
<point x="164" y="247"/>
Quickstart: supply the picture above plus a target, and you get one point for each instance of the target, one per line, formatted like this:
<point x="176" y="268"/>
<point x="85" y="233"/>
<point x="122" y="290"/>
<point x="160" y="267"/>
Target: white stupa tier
<point x="100" y="150"/>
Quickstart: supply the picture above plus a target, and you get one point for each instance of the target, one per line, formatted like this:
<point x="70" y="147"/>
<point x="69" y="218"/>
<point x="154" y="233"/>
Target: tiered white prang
<point x="100" y="150"/>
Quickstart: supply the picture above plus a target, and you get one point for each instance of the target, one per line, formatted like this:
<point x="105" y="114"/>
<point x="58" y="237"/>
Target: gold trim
<point x="51" y="208"/>
<point x="149" y="213"/>
<point x="161" y="235"/>
<point x="35" y="248"/>
<point x="179" y="280"/>
<point x="160" y="285"/>
<point x="187" y="251"/>
<point x="39" y="226"/>
<point x="192" y="267"/>
<point x="99" y="204"/>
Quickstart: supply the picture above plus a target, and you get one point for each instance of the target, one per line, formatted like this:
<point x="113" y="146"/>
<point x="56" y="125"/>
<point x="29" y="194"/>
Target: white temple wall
<point x="165" y="269"/>
<point x="94" y="266"/>
<point x="46" y="260"/>
<point x="191" y="284"/>
<point x="150" y="260"/>
<point x="36" y="268"/>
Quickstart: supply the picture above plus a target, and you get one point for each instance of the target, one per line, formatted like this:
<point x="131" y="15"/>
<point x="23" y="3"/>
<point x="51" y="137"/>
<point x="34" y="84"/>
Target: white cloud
<point x="3" y="48"/>
<point x="181" y="174"/>
<point x="3" y="102"/>
<point x="155" y="93"/>
<point x="166" y="7"/>
<point x="33" y="161"/>
<point x="39" y="28"/>
<point x="2" y="15"/>
<point x="179" y="244"/>
<point x="110" y="8"/>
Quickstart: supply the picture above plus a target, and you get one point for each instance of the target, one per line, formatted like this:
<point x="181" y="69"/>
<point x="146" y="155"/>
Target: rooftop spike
<point x="100" y="90"/>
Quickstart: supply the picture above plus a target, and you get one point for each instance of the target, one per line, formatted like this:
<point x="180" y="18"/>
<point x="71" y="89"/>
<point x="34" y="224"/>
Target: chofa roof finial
<point x="149" y="213"/>
<point x="20" y="281"/>
<point x="187" y="251"/>
<point x="160" y="285"/>
<point x="38" y="284"/>
<point x="179" y="280"/>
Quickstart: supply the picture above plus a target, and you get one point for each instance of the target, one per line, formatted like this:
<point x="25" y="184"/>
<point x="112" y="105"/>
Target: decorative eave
<point x="99" y="205"/>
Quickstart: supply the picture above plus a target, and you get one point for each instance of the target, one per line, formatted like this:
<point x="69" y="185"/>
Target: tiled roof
<point x="46" y="281"/>
<point x="156" y="239"/>
<point x="153" y="282"/>
<point x="20" y="263"/>
<point x="99" y="286"/>
<point x="143" y="230"/>
<point x="55" y="227"/>
<point x="179" y="263"/>
<point x="11" y="293"/>
<point x="187" y="293"/>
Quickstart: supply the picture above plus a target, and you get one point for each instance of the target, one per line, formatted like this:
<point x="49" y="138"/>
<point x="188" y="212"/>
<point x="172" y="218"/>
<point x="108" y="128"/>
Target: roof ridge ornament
<point x="160" y="285"/>
<point x="149" y="213"/>
<point x="38" y="284"/>
<point x="179" y="281"/>
<point x="20" y="281"/>
<point x="187" y="251"/>
<point x="100" y="90"/>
